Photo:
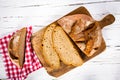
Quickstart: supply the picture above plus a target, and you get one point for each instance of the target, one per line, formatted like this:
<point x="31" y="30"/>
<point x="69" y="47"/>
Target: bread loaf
<point x="68" y="21"/>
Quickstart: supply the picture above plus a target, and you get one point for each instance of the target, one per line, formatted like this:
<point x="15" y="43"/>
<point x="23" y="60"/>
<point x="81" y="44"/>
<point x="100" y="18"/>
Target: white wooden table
<point x="15" y="14"/>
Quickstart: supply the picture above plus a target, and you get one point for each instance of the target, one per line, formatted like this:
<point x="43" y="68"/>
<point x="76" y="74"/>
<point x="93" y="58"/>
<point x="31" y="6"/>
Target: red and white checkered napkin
<point x="31" y="61"/>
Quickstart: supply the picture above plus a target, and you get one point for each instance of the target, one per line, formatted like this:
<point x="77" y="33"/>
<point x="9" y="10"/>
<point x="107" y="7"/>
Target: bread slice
<point x="49" y="53"/>
<point x="36" y="41"/>
<point x="65" y="48"/>
<point x="16" y="47"/>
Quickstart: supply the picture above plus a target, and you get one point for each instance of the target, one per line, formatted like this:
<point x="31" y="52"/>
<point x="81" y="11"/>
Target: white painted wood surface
<point x="15" y="14"/>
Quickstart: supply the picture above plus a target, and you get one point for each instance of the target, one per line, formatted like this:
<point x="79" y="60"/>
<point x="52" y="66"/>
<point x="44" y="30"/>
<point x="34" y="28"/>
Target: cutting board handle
<point x="107" y="20"/>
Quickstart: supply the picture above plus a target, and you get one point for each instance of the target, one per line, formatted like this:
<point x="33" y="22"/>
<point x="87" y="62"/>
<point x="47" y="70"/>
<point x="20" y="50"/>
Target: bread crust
<point x="16" y="47"/>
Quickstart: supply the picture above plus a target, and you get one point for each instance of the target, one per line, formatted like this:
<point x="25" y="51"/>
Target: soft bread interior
<point x="65" y="49"/>
<point x="36" y="40"/>
<point x="50" y="55"/>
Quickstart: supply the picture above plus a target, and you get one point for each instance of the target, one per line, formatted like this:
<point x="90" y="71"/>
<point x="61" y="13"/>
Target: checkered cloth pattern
<point x="31" y="61"/>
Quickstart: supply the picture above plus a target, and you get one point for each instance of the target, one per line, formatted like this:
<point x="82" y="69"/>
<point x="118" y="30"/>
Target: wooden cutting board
<point x="37" y="42"/>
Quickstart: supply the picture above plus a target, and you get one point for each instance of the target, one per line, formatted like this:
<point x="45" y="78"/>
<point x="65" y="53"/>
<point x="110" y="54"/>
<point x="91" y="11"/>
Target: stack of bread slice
<point x="57" y="48"/>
